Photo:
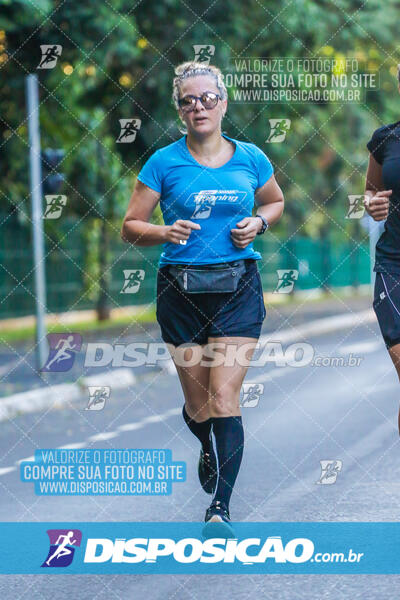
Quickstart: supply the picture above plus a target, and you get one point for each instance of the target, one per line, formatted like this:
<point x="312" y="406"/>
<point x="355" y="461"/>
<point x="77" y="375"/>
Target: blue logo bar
<point x="303" y="548"/>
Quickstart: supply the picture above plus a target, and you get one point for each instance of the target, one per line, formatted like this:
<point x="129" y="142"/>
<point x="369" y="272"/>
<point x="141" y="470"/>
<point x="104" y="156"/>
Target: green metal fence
<point x="72" y="286"/>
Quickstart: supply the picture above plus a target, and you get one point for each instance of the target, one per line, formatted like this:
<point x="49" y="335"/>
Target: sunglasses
<point x="208" y="99"/>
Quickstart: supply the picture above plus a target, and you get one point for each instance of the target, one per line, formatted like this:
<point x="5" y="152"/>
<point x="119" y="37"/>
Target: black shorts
<point x="387" y="307"/>
<point x="193" y="318"/>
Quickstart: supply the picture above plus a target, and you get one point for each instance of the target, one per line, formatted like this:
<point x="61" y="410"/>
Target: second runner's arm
<point x="377" y="198"/>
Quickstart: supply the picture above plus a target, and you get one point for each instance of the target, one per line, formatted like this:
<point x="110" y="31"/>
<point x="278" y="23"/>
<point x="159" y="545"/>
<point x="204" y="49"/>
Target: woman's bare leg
<point x="194" y="381"/>
<point x="226" y="381"/>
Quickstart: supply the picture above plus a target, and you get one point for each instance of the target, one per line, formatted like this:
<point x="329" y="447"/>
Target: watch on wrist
<point x="265" y="225"/>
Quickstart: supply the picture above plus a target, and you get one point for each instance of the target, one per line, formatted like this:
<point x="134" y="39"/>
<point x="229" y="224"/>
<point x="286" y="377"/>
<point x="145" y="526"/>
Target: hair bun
<point x="184" y="67"/>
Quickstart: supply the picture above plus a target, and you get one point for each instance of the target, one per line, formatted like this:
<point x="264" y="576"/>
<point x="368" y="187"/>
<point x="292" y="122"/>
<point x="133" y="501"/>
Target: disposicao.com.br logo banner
<point x="73" y="548"/>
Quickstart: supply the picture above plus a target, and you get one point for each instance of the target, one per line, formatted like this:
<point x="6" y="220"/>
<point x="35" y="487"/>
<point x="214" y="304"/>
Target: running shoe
<point x="218" y="521"/>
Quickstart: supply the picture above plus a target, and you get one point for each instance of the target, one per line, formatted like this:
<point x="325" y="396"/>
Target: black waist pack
<point x="200" y="279"/>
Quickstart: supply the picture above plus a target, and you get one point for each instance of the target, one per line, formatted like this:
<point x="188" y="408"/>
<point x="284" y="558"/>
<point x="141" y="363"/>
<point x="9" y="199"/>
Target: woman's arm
<point x="270" y="205"/>
<point x="377" y="199"/>
<point x="136" y="228"/>
<point x="270" y="200"/>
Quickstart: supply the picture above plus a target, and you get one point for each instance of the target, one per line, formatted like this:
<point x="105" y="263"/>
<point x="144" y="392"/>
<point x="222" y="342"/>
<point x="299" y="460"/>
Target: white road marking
<point x="7" y="470"/>
<point x="106" y="435"/>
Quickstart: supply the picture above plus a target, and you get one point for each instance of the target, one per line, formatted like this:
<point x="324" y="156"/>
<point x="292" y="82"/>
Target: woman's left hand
<point x="248" y="229"/>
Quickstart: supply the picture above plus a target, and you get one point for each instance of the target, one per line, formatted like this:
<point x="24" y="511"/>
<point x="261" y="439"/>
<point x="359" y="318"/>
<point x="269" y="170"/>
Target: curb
<point x="57" y="396"/>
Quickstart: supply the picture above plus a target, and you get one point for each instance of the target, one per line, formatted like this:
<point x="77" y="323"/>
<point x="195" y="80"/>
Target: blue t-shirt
<point x="216" y="198"/>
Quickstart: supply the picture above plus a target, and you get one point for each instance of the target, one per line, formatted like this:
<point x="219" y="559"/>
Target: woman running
<point x="382" y="202"/>
<point x="208" y="285"/>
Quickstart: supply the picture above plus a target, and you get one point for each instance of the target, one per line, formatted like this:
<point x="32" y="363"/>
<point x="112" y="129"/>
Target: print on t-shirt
<point x="204" y="200"/>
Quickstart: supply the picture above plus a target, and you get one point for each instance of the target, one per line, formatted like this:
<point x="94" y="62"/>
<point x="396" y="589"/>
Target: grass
<point x="28" y="333"/>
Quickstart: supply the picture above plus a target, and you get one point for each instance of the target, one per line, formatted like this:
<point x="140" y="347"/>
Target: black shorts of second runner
<point x="192" y="318"/>
<point x="387" y="307"/>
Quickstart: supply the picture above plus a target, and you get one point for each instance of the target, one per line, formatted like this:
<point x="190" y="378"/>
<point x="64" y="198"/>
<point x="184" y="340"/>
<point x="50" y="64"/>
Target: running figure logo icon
<point x="203" y="206"/>
<point x="98" y="394"/>
<point x="63" y="347"/>
<point x="133" y="279"/>
<point x="356" y="207"/>
<point x="329" y="471"/>
<point x="62" y="547"/>
<point x="203" y="53"/>
<point x="251" y="394"/>
<point x="129" y="129"/>
<point x="54" y="206"/>
<point x="286" y="280"/>
<point x="50" y="54"/>
<point x="279" y="129"/>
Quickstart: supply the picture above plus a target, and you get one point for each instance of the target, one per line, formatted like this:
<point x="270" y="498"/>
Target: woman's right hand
<point x="180" y="231"/>
<point x="377" y="206"/>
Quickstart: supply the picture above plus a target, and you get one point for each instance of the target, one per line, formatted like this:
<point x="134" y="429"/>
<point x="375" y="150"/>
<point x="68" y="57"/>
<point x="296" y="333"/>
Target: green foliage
<point x="117" y="62"/>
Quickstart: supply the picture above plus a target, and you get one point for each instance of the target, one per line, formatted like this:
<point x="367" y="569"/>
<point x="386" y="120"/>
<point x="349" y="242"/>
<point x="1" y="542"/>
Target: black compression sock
<point x="229" y="440"/>
<point x="201" y="430"/>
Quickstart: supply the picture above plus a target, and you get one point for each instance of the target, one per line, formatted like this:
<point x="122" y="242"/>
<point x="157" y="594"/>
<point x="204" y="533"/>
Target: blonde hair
<point x="192" y="69"/>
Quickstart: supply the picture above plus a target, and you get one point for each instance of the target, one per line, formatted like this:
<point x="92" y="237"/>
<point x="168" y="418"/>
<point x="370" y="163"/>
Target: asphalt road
<point x="305" y="415"/>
